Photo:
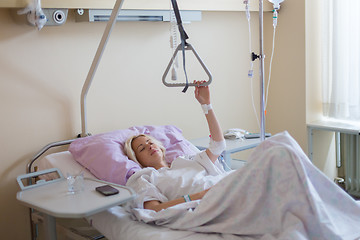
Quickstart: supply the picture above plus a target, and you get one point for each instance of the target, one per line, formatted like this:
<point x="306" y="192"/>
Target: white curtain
<point x="341" y="59"/>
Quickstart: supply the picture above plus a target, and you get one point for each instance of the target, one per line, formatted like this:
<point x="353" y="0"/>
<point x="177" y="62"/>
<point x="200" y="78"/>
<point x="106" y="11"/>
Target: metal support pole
<point x="338" y="149"/>
<point x="262" y="70"/>
<point x="95" y="63"/>
<point x="310" y="143"/>
<point x="49" y="227"/>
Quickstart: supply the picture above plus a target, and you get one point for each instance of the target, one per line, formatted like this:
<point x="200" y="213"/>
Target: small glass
<point x="75" y="183"/>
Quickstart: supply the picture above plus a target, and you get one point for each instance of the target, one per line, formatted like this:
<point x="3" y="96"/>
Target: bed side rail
<point x="44" y="149"/>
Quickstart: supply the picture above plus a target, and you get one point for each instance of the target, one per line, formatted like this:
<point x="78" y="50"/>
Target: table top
<point x="335" y="126"/>
<point x="232" y="146"/>
<point x="54" y="199"/>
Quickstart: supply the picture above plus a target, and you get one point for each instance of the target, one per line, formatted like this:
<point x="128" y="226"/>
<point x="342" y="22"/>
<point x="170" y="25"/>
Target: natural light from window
<point x="341" y="59"/>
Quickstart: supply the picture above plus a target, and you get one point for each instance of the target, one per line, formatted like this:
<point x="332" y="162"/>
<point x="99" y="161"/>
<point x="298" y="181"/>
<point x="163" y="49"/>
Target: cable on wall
<point x="173" y="43"/>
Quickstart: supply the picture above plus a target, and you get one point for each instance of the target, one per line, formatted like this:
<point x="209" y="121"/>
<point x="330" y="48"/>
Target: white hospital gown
<point x="187" y="175"/>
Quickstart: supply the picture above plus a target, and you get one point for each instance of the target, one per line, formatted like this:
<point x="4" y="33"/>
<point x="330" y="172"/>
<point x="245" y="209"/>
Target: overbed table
<point x="54" y="201"/>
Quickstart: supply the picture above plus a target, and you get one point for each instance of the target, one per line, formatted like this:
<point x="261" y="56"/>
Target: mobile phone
<point x="107" y="190"/>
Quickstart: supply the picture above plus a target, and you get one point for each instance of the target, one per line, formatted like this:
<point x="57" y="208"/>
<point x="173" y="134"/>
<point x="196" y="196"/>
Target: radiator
<point x="349" y="145"/>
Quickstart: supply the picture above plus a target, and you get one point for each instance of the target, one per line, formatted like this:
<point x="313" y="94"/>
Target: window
<point x="341" y="59"/>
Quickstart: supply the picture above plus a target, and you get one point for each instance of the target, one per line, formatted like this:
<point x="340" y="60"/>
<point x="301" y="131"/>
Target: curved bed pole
<point x="262" y="79"/>
<point x="86" y="85"/>
<point x="95" y="63"/>
<point x="44" y="149"/>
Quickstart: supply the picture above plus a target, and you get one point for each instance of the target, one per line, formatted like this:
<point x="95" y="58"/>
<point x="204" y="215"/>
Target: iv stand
<point x="262" y="70"/>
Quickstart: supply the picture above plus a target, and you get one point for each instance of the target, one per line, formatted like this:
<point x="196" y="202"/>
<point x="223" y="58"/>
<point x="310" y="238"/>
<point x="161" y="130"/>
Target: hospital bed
<point x="248" y="206"/>
<point x="115" y="223"/>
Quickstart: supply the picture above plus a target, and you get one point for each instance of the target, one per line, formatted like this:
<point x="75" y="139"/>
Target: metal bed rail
<point x="44" y="149"/>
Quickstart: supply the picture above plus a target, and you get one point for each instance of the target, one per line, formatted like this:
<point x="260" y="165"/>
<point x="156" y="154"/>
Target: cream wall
<point x="42" y="72"/>
<point x="287" y="97"/>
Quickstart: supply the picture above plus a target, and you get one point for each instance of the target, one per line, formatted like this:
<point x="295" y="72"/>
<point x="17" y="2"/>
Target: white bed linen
<point x="279" y="194"/>
<point x="116" y="224"/>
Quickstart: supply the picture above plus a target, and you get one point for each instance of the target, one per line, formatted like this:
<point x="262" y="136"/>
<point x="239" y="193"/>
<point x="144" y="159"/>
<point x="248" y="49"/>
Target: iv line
<point x="270" y="67"/>
<point x="251" y="71"/>
<point x="275" y="16"/>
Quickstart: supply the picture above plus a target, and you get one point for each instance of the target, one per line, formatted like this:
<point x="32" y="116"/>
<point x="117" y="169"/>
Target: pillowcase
<point x="103" y="154"/>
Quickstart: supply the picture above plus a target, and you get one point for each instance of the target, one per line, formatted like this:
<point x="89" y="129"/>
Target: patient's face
<point x="148" y="153"/>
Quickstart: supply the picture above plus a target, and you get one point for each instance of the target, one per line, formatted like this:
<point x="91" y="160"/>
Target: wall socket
<point x="55" y="17"/>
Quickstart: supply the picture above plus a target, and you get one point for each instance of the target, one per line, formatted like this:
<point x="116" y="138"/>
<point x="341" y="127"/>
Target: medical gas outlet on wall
<point x="55" y="17"/>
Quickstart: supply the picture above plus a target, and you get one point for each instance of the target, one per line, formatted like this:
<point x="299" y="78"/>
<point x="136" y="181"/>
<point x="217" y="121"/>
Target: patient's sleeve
<point x="142" y="183"/>
<point x="212" y="168"/>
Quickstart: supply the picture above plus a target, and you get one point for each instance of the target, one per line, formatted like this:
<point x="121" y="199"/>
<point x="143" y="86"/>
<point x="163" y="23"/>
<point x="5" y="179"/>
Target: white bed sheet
<point x="115" y="223"/>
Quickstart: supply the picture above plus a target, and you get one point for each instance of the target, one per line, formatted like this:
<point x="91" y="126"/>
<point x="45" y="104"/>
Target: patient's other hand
<point x="199" y="195"/>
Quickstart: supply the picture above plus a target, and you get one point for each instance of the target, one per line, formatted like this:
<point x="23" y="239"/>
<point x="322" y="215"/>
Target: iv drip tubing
<point x="251" y="70"/>
<point x="253" y="102"/>
<point x="95" y="63"/>
<point x="270" y="67"/>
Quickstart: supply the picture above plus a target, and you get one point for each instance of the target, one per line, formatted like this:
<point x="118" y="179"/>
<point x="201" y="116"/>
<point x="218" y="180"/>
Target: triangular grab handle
<point x="188" y="47"/>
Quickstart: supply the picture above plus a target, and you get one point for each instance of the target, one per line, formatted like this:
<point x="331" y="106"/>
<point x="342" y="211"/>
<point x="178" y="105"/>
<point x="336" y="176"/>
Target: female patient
<point x="190" y="177"/>
<point x="279" y="192"/>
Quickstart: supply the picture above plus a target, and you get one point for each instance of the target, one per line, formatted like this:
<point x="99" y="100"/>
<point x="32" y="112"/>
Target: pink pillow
<point x="103" y="154"/>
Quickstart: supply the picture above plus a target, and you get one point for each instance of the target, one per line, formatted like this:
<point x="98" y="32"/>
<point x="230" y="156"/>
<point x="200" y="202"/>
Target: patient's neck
<point x="161" y="164"/>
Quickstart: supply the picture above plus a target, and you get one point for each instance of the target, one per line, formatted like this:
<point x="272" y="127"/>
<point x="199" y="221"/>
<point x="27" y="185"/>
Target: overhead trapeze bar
<point x="184" y="46"/>
<point x="188" y="47"/>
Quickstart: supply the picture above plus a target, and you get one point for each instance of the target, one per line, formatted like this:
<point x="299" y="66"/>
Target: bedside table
<point x="53" y="200"/>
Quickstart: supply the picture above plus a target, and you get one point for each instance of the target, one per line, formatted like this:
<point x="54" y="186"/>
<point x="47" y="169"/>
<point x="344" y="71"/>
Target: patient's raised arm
<point x="217" y="141"/>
